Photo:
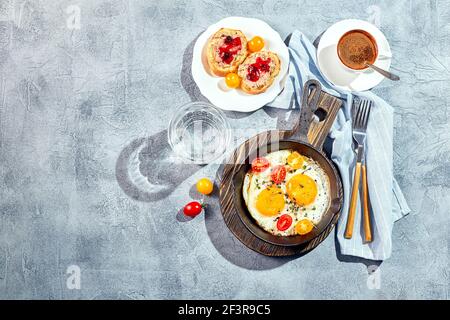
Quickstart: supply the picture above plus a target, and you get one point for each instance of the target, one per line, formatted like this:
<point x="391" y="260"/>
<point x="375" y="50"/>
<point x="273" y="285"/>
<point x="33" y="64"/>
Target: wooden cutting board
<point x="318" y="131"/>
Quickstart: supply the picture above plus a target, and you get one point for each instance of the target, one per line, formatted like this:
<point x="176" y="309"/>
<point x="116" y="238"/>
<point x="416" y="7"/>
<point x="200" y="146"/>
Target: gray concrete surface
<point x="80" y="107"/>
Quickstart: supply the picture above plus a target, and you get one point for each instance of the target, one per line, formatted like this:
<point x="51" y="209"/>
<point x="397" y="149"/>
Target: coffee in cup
<point x="356" y="48"/>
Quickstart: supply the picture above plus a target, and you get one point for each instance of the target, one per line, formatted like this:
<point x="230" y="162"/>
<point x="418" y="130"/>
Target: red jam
<point x="256" y="69"/>
<point x="230" y="48"/>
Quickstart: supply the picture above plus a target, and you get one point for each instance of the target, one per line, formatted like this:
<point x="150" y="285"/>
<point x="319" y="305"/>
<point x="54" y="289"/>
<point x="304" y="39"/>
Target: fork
<point x="360" y="119"/>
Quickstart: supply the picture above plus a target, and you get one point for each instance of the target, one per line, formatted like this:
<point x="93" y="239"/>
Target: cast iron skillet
<point x="310" y="100"/>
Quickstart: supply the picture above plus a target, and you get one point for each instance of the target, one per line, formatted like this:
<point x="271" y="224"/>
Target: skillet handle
<point x="310" y="102"/>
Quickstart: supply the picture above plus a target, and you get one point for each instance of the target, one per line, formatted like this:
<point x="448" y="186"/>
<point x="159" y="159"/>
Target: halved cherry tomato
<point x="192" y="209"/>
<point x="295" y="160"/>
<point x="304" y="226"/>
<point x="278" y="174"/>
<point x="260" y="164"/>
<point x="284" y="222"/>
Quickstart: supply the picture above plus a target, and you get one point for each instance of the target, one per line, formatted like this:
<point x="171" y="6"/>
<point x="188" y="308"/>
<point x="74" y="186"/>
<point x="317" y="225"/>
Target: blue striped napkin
<point x="386" y="199"/>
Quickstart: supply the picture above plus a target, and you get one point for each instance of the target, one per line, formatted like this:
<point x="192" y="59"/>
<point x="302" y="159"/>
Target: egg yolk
<point x="304" y="226"/>
<point x="295" y="160"/>
<point x="302" y="189"/>
<point x="270" y="201"/>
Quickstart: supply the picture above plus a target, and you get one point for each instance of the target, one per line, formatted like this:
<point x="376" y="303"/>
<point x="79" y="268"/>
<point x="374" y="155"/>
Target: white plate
<point x="215" y="89"/>
<point x="341" y="76"/>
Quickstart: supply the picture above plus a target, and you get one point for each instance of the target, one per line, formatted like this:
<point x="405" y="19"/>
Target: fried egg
<point x="286" y="193"/>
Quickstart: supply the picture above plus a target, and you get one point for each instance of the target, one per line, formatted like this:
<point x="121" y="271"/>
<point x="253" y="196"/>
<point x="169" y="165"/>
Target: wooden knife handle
<point x="351" y="213"/>
<point x="366" y="214"/>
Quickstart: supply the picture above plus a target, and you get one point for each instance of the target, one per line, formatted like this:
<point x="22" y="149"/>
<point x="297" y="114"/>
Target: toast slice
<point x="258" y="71"/>
<point x="225" y="51"/>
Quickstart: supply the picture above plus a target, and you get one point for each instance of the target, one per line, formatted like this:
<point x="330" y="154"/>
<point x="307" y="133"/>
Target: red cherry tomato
<point x="192" y="209"/>
<point x="260" y="164"/>
<point x="284" y="222"/>
<point x="278" y="174"/>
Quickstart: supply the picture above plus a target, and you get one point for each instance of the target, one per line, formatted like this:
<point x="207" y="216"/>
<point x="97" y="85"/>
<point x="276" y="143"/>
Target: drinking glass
<point x="199" y="132"/>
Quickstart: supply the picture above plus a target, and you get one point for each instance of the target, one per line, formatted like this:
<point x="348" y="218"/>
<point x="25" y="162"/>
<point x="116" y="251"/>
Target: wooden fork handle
<point x="366" y="212"/>
<point x="351" y="213"/>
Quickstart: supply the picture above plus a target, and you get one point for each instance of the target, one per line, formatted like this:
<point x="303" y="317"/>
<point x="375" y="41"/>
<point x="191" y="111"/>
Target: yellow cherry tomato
<point x="205" y="186"/>
<point x="256" y="44"/>
<point x="232" y="80"/>
<point x="304" y="226"/>
<point x="295" y="160"/>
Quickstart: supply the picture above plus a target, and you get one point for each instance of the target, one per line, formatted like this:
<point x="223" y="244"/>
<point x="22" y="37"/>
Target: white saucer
<point x="342" y="77"/>
<point x="215" y="89"/>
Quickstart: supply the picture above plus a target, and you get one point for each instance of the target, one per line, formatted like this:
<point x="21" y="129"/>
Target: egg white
<point x="254" y="183"/>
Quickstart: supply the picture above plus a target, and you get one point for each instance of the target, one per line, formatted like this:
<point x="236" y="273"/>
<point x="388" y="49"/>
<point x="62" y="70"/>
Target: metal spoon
<point x="385" y="73"/>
